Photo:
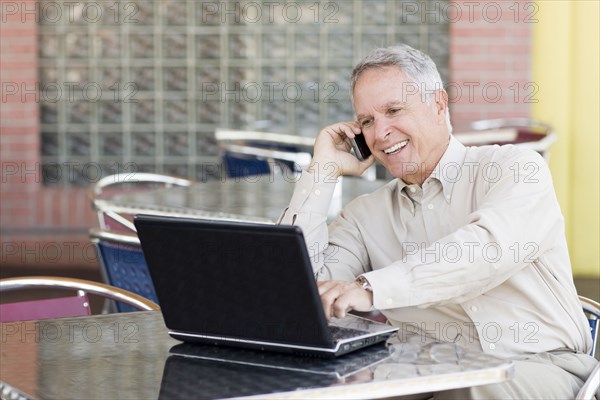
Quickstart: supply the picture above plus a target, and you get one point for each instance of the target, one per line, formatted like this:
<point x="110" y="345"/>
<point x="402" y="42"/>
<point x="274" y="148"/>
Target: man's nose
<point x="382" y="128"/>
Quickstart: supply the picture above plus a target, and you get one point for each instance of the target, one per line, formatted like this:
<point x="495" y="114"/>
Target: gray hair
<point x="416" y="65"/>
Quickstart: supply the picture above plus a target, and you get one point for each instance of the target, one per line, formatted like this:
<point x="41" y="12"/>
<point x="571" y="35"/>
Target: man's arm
<point x="515" y="222"/>
<point x="310" y="203"/>
<point x="312" y="196"/>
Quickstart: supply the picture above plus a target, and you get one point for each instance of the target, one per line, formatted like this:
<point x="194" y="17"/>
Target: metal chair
<point x="61" y="307"/>
<point x="590" y="387"/>
<point x="111" y="218"/>
<point x="522" y="132"/>
<point x="592" y="310"/>
<point x="247" y="153"/>
<point x="66" y="306"/>
<point x="123" y="265"/>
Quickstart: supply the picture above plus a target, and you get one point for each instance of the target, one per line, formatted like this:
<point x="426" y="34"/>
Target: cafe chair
<point x="590" y="387"/>
<point x="73" y="306"/>
<point x="122" y="265"/>
<point x="249" y="153"/>
<point x="591" y="309"/>
<point x="114" y="218"/>
<point x="522" y="132"/>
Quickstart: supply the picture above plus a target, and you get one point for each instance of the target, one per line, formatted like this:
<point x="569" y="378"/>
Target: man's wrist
<point x="363" y="283"/>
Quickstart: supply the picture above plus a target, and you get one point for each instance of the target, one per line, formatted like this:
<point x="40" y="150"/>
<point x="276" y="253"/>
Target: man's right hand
<point x="332" y="157"/>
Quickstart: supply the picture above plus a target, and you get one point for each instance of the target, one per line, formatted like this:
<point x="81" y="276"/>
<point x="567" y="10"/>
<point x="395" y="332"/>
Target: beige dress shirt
<point x="476" y="255"/>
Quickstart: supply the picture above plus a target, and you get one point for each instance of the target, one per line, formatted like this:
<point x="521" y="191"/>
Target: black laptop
<point x="245" y="285"/>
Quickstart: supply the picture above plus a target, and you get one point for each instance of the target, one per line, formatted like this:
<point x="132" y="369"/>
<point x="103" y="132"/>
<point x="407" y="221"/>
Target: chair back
<point x="522" y="132"/>
<point x="248" y="153"/>
<point x="63" y="307"/>
<point x="123" y="264"/>
<point x="591" y="309"/>
<point x="111" y="218"/>
<point x="591" y="386"/>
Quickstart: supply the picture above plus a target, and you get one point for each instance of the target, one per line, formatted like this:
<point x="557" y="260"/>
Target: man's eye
<point x="394" y="110"/>
<point x="365" y="122"/>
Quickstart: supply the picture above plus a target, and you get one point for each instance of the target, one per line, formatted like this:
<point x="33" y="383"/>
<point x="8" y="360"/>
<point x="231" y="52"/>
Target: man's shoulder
<point x="502" y="154"/>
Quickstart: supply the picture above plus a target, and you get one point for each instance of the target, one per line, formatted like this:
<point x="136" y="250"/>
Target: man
<point x="467" y="244"/>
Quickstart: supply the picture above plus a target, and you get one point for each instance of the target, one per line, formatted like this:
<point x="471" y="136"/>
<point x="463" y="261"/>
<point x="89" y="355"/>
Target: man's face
<point x="405" y="134"/>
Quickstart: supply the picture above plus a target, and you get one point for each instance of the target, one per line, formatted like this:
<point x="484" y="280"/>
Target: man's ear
<point x="441" y="104"/>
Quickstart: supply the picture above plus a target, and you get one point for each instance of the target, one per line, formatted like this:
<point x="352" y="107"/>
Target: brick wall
<point x="490" y="60"/>
<point x="19" y="120"/>
<point x="490" y="46"/>
<point x="39" y="225"/>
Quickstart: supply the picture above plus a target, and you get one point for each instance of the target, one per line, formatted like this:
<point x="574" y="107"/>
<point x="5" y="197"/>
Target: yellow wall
<point x="566" y="53"/>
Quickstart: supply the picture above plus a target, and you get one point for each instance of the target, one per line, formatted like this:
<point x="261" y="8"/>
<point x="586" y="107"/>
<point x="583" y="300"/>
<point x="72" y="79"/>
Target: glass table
<point x="255" y="199"/>
<point x="131" y="356"/>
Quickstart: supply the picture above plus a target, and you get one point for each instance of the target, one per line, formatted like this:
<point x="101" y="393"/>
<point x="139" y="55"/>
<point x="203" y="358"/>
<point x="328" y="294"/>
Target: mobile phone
<point x="359" y="144"/>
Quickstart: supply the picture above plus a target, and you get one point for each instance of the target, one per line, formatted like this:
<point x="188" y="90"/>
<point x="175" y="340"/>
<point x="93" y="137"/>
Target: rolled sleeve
<point x="308" y="209"/>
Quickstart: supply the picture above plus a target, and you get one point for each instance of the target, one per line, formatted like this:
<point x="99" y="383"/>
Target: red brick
<point x="18" y="70"/>
<point x="22" y="147"/>
<point x="21" y="113"/>
<point x="20" y="30"/>
<point x="510" y="49"/>
<point x="479" y="32"/>
<point x="15" y="196"/>
<point x="13" y="48"/>
<point x="18" y="130"/>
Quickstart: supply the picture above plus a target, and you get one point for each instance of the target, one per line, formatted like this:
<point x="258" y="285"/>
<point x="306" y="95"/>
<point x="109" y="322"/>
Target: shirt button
<point x="317" y="192"/>
<point x="412" y="189"/>
<point x="389" y="301"/>
<point x="430" y="206"/>
<point x="492" y="346"/>
<point x="474" y="308"/>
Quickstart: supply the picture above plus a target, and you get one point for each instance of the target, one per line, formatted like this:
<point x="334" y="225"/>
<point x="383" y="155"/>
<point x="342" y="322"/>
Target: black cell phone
<point x="359" y="144"/>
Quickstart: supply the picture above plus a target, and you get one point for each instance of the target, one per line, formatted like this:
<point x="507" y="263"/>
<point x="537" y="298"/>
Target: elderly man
<point x="467" y="245"/>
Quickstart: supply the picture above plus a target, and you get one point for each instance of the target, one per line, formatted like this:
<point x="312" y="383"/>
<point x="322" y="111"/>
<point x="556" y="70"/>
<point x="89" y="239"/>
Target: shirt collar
<point x="450" y="168"/>
<point x="447" y="172"/>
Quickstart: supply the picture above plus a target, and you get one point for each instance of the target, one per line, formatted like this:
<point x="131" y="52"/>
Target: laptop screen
<point x="234" y="280"/>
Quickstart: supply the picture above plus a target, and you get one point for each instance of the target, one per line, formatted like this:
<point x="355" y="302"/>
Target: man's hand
<point x="339" y="297"/>
<point x="332" y="156"/>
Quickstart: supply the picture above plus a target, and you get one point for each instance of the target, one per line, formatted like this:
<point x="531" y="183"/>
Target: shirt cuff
<point x="390" y="288"/>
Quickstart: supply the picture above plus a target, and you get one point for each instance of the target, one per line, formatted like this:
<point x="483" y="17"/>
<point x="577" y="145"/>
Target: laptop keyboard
<point x="340" y="333"/>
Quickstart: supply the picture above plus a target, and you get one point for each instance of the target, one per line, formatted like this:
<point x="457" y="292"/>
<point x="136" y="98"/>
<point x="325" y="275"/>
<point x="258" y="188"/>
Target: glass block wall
<point x="130" y="86"/>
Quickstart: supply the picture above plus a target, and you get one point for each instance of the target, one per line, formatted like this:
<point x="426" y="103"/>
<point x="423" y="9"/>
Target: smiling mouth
<point x="396" y="148"/>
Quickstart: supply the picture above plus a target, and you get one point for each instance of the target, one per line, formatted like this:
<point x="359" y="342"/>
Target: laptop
<point x="246" y="285"/>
